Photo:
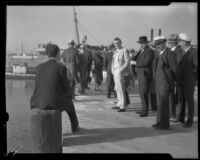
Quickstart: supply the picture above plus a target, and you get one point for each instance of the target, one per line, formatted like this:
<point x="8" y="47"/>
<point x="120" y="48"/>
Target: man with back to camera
<point x="52" y="89"/>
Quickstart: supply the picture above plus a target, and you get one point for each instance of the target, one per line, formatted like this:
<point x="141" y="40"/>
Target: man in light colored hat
<point x="186" y="78"/>
<point x="144" y="59"/>
<point x="165" y="74"/>
<point x="176" y="49"/>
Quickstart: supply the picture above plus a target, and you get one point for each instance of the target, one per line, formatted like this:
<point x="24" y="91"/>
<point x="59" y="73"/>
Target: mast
<point x="76" y="27"/>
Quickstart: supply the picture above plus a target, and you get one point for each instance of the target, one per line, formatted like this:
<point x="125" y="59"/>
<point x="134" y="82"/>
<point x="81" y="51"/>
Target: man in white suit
<point x="120" y="65"/>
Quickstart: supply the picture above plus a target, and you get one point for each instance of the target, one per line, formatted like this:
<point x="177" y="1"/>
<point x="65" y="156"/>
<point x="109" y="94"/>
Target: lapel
<point x="140" y="54"/>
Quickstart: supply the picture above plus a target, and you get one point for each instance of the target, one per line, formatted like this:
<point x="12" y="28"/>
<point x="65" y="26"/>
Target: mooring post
<point x="46" y="131"/>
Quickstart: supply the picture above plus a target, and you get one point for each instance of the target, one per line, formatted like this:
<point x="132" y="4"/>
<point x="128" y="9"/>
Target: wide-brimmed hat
<point x="158" y="40"/>
<point x="172" y="38"/>
<point x="71" y="42"/>
<point x="185" y="37"/>
<point x="143" y="39"/>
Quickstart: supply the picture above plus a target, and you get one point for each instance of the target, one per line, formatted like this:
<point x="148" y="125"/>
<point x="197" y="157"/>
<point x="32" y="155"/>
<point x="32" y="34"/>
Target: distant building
<point x="19" y="68"/>
<point x="41" y="49"/>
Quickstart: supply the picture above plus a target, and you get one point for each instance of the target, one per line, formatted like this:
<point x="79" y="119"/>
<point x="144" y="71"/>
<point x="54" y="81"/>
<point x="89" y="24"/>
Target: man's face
<point x="117" y="44"/>
<point x="161" y="46"/>
<point x="182" y="44"/>
<point x="143" y="45"/>
<point x="171" y="45"/>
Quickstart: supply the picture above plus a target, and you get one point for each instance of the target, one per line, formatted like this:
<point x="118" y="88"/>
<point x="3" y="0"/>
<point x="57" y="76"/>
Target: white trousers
<point x="120" y="88"/>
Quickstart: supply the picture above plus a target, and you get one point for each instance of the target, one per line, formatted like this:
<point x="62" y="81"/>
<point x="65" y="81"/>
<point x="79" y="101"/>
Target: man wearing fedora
<point x="186" y="78"/>
<point x="165" y="74"/>
<point x="173" y="98"/>
<point x="144" y="59"/>
<point x="70" y="58"/>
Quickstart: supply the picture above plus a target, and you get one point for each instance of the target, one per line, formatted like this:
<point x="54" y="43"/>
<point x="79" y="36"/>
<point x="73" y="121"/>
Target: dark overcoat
<point x="52" y="90"/>
<point x="70" y="58"/>
<point x="165" y="75"/>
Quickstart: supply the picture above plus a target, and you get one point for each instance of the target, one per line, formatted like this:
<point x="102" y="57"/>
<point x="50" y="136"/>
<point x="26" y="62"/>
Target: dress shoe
<point x="155" y="125"/>
<point x="138" y="112"/>
<point x="143" y="115"/>
<point x="121" y="110"/>
<point x="187" y="125"/>
<point x="76" y="129"/>
<point x="174" y="120"/>
<point x="161" y="128"/>
<point x="115" y="107"/>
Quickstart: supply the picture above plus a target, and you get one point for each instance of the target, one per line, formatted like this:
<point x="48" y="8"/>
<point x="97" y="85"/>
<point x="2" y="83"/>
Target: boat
<point x="9" y="75"/>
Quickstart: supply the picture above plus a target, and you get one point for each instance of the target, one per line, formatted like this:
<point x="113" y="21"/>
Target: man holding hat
<point x="173" y="98"/>
<point x="165" y="74"/>
<point x="186" y="78"/>
<point x="144" y="59"/>
<point x="70" y="58"/>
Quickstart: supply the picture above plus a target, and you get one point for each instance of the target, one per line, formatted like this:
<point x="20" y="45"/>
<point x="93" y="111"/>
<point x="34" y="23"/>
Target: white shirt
<point x="173" y="48"/>
<point x="161" y="52"/>
<point x="186" y="49"/>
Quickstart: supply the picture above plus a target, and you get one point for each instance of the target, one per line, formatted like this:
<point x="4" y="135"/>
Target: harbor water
<point x="18" y="93"/>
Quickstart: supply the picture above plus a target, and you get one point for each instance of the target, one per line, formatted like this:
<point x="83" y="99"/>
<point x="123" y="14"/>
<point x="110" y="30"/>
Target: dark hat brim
<point x="143" y="42"/>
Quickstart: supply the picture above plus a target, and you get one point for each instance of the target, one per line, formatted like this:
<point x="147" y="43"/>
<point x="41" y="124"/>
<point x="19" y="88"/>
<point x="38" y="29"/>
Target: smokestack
<point x="151" y="34"/>
<point x="159" y="32"/>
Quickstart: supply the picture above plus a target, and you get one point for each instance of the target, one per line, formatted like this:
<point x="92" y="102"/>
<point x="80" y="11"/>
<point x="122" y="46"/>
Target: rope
<point x="82" y="17"/>
<point x="88" y="32"/>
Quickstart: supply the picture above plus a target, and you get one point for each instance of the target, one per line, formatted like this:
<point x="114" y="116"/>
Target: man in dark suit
<point x="186" y="78"/>
<point x="165" y="74"/>
<point x="52" y="91"/>
<point x="88" y="55"/>
<point x="70" y="58"/>
<point x="107" y="65"/>
<point x="83" y="67"/>
<point x="173" y="98"/>
<point x="144" y="59"/>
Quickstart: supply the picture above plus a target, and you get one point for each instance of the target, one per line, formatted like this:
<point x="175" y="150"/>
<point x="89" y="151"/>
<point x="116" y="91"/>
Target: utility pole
<point x="76" y="27"/>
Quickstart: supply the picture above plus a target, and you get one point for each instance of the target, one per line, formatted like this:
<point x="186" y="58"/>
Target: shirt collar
<point x="173" y="48"/>
<point x="52" y="58"/>
<point x="161" y="52"/>
<point x="186" y="49"/>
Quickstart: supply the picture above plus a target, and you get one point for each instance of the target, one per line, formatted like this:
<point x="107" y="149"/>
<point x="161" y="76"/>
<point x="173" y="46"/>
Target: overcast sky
<point x="101" y="24"/>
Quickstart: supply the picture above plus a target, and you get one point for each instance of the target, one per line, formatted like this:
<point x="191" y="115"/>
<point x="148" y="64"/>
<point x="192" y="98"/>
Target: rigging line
<point x="88" y="32"/>
<point x="82" y="17"/>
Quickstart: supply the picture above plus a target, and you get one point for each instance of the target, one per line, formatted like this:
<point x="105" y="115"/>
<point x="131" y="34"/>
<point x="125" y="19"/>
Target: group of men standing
<point x="166" y="71"/>
<point x="80" y="62"/>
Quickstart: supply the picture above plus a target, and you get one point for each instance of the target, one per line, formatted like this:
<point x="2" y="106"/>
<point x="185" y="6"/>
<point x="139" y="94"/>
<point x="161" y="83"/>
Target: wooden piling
<point x="46" y="131"/>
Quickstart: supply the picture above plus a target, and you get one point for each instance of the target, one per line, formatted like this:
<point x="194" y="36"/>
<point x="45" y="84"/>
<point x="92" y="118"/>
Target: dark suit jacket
<point x="51" y="87"/>
<point x="169" y="66"/>
<point x="108" y="61"/>
<point x="187" y="68"/>
<point x="144" y="63"/>
<point x="179" y="53"/>
<point x="70" y="58"/>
